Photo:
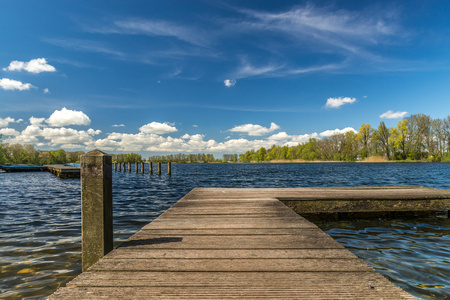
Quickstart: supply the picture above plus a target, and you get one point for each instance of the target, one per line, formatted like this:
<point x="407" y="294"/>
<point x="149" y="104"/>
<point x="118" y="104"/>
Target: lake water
<point x="40" y="230"/>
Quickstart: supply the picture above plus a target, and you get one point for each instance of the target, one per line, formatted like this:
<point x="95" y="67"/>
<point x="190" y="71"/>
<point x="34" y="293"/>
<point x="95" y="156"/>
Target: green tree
<point x="383" y="137"/>
<point x="364" y="136"/>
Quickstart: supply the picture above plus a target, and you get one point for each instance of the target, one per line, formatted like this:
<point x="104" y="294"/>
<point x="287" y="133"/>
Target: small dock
<point x="64" y="172"/>
<point x="218" y="243"/>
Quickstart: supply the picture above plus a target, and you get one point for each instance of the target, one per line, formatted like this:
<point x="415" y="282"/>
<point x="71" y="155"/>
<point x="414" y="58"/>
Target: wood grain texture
<point x="237" y="244"/>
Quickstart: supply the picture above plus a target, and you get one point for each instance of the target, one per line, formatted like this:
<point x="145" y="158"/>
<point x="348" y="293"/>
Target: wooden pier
<point x="64" y="172"/>
<point x="220" y="243"/>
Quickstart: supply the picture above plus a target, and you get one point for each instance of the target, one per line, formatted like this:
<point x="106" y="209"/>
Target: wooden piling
<point x="136" y="167"/>
<point x="142" y="167"/>
<point x="169" y="168"/>
<point x="115" y="166"/>
<point x="124" y="168"/>
<point x="129" y="167"/>
<point x="96" y="207"/>
<point x="159" y="168"/>
<point x="120" y="167"/>
<point x="150" y="167"/>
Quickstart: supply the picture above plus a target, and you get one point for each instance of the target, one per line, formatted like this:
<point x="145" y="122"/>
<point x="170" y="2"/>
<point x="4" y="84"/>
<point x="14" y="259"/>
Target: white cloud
<point x="91" y="131"/>
<point x="255" y="130"/>
<point x="46" y="91"/>
<point x="37" y="65"/>
<point x="4" y="122"/>
<point x="66" y="116"/>
<point x="280" y="136"/>
<point x="393" y="115"/>
<point x="11" y="85"/>
<point x="195" y="126"/>
<point x="328" y="133"/>
<point x="118" y="125"/>
<point x="229" y="82"/>
<point x="9" y="132"/>
<point x="338" y="102"/>
<point x="157" y="128"/>
<point x="36" y="121"/>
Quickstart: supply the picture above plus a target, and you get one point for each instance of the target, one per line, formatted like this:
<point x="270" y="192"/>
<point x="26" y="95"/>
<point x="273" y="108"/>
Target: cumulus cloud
<point x="229" y="82"/>
<point x="11" y="85"/>
<point x="157" y="128"/>
<point x="255" y="130"/>
<point x="9" y="132"/>
<point x="338" y="102"/>
<point x="37" y="65"/>
<point x="393" y="115"/>
<point x="46" y="91"/>
<point x="280" y="136"/>
<point x="5" y="122"/>
<point x="36" y="121"/>
<point x="66" y="117"/>
<point x="328" y="133"/>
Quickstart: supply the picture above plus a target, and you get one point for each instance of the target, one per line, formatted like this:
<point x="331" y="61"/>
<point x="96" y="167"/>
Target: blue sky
<point x="215" y="76"/>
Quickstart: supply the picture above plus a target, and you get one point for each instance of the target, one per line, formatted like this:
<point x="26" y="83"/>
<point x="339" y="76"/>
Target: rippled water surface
<point x="40" y="230"/>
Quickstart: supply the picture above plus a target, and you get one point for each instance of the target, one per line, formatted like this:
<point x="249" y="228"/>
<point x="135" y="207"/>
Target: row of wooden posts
<point x="122" y="166"/>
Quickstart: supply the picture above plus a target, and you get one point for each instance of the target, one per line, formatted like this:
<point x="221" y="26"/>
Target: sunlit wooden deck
<point x="240" y="244"/>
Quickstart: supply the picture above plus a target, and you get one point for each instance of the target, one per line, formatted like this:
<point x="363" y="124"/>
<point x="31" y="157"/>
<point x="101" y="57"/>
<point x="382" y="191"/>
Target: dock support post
<point x="115" y="166"/>
<point x="142" y="167"/>
<point x="129" y="167"/>
<point x="120" y="167"/>
<point x="136" y="167"/>
<point x="96" y="207"/>
<point x="159" y="168"/>
<point x="169" y="168"/>
<point x="150" y="167"/>
<point x="123" y="166"/>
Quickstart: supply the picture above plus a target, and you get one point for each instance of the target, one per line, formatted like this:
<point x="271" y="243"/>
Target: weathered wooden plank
<point x="230" y="231"/>
<point x="233" y="265"/>
<point x="233" y="242"/>
<point x="311" y="292"/>
<point x="136" y="253"/>
<point x="231" y="279"/>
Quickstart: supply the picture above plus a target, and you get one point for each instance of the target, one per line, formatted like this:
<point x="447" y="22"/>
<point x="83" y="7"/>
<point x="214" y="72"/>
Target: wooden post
<point x="142" y="167"/>
<point x="129" y="167"/>
<point x="115" y="166"/>
<point x="169" y="168"/>
<point x="136" y="167"/>
<point x="159" y="168"/>
<point x="120" y="167"/>
<point x="150" y="166"/>
<point x="96" y="207"/>
<point x="123" y="166"/>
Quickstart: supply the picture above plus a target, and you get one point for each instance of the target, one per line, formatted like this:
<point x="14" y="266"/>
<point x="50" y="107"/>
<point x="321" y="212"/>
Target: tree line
<point x="415" y="138"/>
<point x="27" y="154"/>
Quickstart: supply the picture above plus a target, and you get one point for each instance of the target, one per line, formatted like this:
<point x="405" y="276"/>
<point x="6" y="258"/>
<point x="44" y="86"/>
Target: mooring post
<point x="169" y="168"/>
<point x="150" y="167"/>
<point x="123" y="166"/>
<point x="96" y="207"/>
<point x="129" y="167"/>
<point x="142" y="167"/>
<point x="136" y="167"/>
<point x="115" y="166"/>
<point x="120" y="167"/>
<point x="159" y="168"/>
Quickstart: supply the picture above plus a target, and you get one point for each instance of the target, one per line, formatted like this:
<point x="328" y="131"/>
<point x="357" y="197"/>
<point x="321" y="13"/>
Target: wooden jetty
<point x="218" y="243"/>
<point x="64" y="172"/>
<point x="22" y="168"/>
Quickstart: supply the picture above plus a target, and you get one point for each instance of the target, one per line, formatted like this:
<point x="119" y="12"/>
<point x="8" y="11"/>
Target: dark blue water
<point x="40" y="230"/>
